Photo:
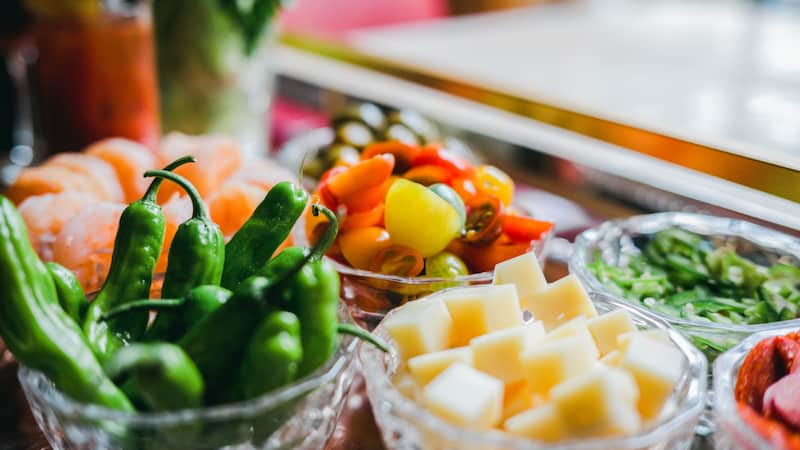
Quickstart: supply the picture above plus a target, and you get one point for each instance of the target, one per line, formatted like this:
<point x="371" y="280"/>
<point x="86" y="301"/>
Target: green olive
<point x="419" y="125"/>
<point x="342" y="152"/>
<point x="445" y="265"/>
<point x="400" y="132"/>
<point x="366" y="113"/>
<point x="314" y="167"/>
<point x="355" y="134"/>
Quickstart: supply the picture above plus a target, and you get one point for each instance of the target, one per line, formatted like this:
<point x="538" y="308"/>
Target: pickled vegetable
<point x="684" y="275"/>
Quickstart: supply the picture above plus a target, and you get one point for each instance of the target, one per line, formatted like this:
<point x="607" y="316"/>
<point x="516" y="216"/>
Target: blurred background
<point x="695" y="101"/>
<point x="597" y="108"/>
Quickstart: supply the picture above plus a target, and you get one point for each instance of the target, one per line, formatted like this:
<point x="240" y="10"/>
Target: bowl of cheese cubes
<point x="523" y="364"/>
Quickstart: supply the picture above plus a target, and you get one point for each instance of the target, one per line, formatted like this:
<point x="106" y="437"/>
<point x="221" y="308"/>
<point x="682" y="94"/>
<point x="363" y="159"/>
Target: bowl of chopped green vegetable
<point x="716" y="279"/>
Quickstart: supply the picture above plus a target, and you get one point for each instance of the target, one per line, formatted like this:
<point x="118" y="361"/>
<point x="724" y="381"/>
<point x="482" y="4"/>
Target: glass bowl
<point x="406" y="425"/>
<point x="302" y="415"/>
<point x="615" y="240"/>
<point x="732" y="431"/>
<point x="370" y="295"/>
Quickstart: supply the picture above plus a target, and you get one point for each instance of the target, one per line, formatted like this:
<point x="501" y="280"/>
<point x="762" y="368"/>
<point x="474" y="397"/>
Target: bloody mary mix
<point x="96" y="78"/>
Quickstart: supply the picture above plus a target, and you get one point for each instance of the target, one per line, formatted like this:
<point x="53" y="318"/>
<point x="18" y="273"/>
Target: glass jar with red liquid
<point x="94" y="74"/>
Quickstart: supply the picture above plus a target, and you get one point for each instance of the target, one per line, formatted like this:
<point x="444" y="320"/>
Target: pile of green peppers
<point x="234" y="321"/>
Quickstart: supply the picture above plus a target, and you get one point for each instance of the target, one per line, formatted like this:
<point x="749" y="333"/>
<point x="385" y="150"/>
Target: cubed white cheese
<point x="466" y="397"/>
<point x="419" y="327"/>
<point x="482" y="309"/>
<point x="524" y="272"/>
<point x="542" y="423"/>
<point x="575" y="327"/>
<point x="560" y="302"/>
<point x="426" y="367"/>
<point x="612" y="358"/>
<point x="597" y="403"/>
<point x="518" y="397"/>
<point x="653" y="333"/>
<point x="553" y="362"/>
<point x="656" y="366"/>
<point x="498" y="353"/>
<point x="606" y="327"/>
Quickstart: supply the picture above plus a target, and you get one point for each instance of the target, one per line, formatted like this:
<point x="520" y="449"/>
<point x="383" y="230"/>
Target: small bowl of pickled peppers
<point x="415" y="216"/>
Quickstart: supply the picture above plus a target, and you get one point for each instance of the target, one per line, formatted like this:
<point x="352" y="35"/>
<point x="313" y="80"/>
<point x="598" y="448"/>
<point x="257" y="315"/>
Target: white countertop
<point x="722" y="74"/>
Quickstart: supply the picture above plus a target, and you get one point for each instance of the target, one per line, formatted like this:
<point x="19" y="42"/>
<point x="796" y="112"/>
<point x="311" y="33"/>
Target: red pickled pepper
<point x="404" y="154"/>
<point x="358" y="193"/>
<point x="522" y="229"/>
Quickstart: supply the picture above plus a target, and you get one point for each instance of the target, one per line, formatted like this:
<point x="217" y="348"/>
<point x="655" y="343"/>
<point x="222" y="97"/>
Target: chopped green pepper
<point x="682" y="274"/>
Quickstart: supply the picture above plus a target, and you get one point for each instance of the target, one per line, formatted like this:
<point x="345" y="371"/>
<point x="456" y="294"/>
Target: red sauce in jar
<point x="96" y="79"/>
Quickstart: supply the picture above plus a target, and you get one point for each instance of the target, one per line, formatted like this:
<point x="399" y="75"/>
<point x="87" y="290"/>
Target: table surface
<point x="721" y="74"/>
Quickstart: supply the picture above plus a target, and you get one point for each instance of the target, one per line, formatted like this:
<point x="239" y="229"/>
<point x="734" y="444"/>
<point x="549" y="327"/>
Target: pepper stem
<point x="137" y="305"/>
<point x="324" y="242"/>
<point x="152" y="190"/>
<point x="199" y="209"/>
<point x="364" y="335"/>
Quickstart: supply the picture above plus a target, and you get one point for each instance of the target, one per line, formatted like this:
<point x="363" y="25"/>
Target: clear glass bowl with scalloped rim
<point x="302" y="415"/>
<point x="732" y="431"/>
<point x="406" y="425"/>
<point x="614" y="241"/>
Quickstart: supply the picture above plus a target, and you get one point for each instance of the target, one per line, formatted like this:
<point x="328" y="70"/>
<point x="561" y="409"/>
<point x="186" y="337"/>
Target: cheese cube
<point x="612" y="358"/>
<point x="605" y="329"/>
<point x="419" y="327"/>
<point x="498" y="353"/>
<point x="406" y="384"/>
<point x="575" y="327"/>
<point x="654" y="333"/>
<point x="552" y="362"/>
<point x="517" y="397"/>
<point x="465" y="397"/>
<point x="561" y="301"/>
<point x="482" y="309"/>
<point x="426" y="367"/>
<point x="542" y="423"/>
<point x="656" y="366"/>
<point x="597" y="404"/>
<point x="628" y="389"/>
<point x="524" y="272"/>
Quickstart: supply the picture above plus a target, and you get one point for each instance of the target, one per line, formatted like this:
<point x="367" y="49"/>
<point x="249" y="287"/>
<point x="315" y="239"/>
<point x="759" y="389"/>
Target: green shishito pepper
<point x="137" y="247"/>
<point x="175" y="316"/>
<point x="272" y="356"/>
<point x="291" y="256"/>
<point x="315" y="301"/>
<point x="214" y="352"/>
<point x="217" y="343"/>
<point x="197" y="253"/>
<point x="35" y="327"/>
<point x="69" y="290"/>
<point x="163" y="376"/>
<point x="255" y="242"/>
<point x="312" y="295"/>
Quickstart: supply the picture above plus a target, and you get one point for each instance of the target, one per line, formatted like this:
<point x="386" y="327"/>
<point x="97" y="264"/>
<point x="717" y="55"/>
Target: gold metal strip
<point x="764" y="176"/>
